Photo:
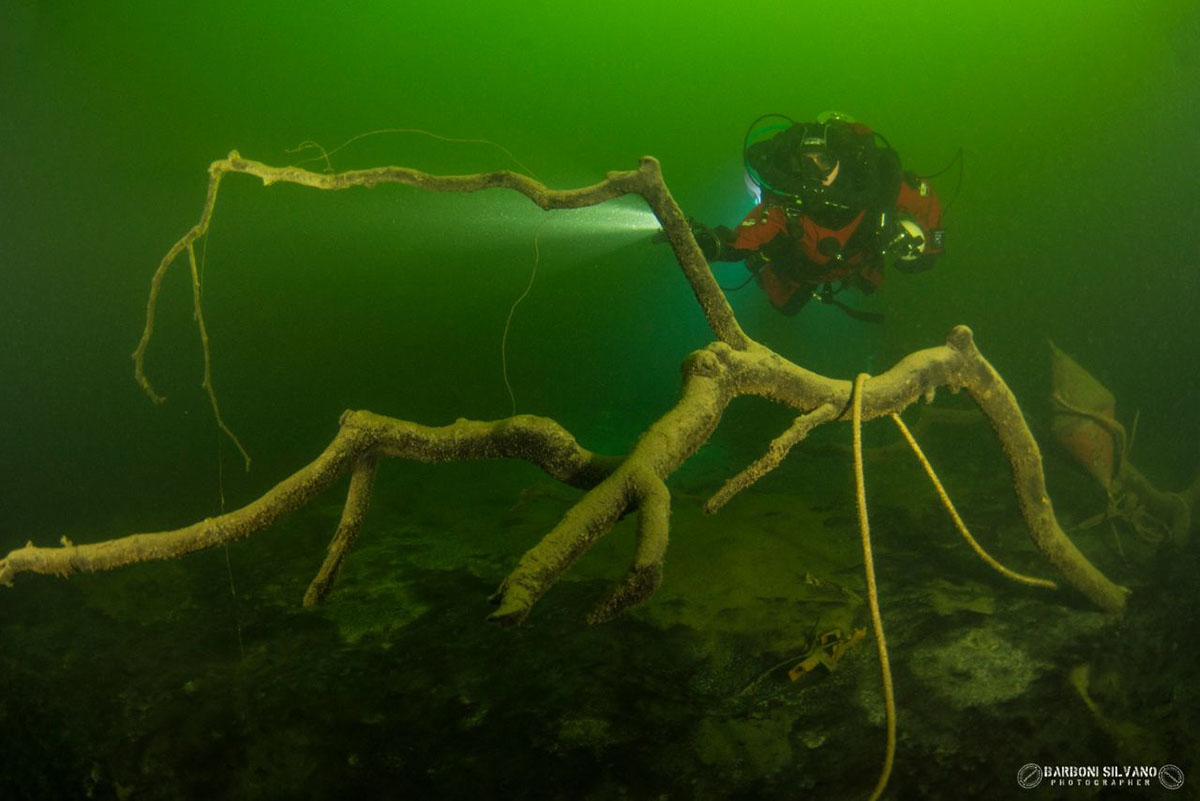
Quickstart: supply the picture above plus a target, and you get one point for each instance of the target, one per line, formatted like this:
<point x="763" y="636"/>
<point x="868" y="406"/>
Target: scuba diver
<point x="834" y="205"/>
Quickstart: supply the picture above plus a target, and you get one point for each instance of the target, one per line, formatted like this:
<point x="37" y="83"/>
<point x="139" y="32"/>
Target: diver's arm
<point x="716" y="244"/>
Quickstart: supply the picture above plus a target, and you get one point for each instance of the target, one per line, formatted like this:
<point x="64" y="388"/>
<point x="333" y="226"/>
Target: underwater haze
<point x="1073" y="217"/>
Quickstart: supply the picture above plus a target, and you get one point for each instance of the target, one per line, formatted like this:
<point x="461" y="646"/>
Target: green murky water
<point x="205" y="678"/>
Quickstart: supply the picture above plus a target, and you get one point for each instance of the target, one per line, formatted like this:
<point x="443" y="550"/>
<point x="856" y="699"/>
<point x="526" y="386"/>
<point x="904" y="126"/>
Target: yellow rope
<point x="958" y="522"/>
<point x="864" y="528"/>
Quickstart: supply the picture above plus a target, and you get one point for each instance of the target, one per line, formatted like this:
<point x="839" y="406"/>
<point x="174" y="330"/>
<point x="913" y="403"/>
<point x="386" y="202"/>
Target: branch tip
<point x="961" y="338"/>
<point x="509" y="613"/>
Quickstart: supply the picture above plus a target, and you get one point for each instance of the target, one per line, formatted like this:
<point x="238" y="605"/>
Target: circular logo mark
<point x="1030" y="776"/>
<point x="1170" y="776"/>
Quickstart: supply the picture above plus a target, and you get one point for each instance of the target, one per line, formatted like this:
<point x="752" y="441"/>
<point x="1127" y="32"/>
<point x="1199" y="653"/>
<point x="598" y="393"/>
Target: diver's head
<point x="814" y="165"/>
<point x="802" y="160"/>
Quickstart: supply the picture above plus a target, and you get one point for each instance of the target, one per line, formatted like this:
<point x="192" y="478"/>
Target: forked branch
<point x="732" y="366"/>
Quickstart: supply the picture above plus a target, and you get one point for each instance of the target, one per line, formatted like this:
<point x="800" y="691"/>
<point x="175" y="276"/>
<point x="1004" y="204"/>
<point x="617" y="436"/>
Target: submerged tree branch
<point x="361" y="439"/>
<point x="645" y="181"/>
<point x="732" y="366"/>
